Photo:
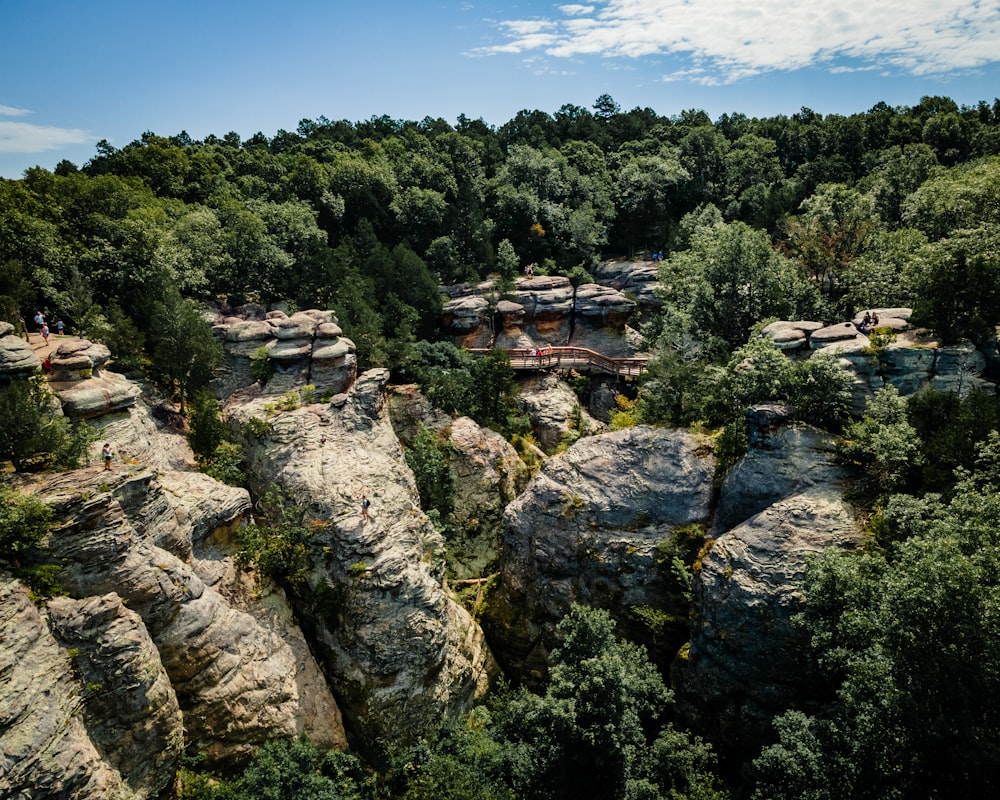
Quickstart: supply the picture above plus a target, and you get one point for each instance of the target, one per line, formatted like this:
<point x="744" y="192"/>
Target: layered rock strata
<point x="399" y="651"/>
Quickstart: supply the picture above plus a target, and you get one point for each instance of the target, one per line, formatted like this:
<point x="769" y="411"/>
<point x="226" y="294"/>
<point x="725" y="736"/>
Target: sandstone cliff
<point x="587" y="529"/>
<point x="399" y="651"/>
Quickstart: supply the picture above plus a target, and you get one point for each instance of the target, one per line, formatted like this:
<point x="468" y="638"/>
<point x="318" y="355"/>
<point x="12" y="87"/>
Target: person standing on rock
<point x="365" y="505"/>
<point x="45" y="333"/>
<point x="106" y="454"/>
<point x="60" y="328"/>
<point x="39" y="320"/>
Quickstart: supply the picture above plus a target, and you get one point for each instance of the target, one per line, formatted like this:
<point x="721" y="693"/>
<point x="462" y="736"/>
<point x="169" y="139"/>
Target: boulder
<point x="587" y="529"/>
<point x="95" y="397"/>
<point x="780" y="504"/>
<point x="554" y="410"/>
<point x="78" y="359"/>
<point x="17" y="358"/>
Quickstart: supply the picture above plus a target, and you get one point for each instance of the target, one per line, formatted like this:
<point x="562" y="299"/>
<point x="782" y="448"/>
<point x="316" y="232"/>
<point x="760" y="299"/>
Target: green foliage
<point x="285" y="770"/>
<point x="206" y="430"/>
<point x="908" y="637"/>
<point x="435" y="480"/>
<point x="882" y="445"/>
<point x="184" y="351"/>
<point x="950" y="427"/>
<point x="261" y="366"/>
<point x="624" y="414"/>
<point x="821" y="391"/>
<point x="226" y="464"/>
<point x="279" y="550"/>
<point x="35" y="436"/>
<point x="25" y="522"/>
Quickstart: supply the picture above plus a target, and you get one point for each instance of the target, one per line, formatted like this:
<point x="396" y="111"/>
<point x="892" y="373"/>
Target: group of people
<point x="43" y="326"/>
<point x="869" y="322"/>
<point x="544" y="351"/>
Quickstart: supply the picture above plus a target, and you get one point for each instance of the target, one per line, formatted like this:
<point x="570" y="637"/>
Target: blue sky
<point x="74" y="72"/>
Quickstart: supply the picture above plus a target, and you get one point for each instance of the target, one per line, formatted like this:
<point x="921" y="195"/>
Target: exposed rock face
<point x="554" y="410"/>
<point x="913" y="360"/>
<point x="400" y="653"/>
<point x="88" y="711"/>
<point x="17" y="358"/>
<point x="548" y="310"/>
<point x="488" y="475"/>
<point x="85" y="390"/>
<point x="636" y="279"/>
<point x="307" y="347"/>
<point x="600" y="314"/>
<point x="467" y="320"/>
<point x="780" y="504"/>
<point x="235" y="676"/>
<point x="586" y="530"/>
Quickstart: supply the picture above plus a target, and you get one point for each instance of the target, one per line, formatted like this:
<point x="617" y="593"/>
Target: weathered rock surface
<point x="488" y="475"/>
<point x="87" y="711"/>
<point x="399" y="652"/>
<point x="782" y="503"/>
<point x="17" y="358"/>
<point x="547" y="310"/>
<point x="554" y="410"/>
<point x="636" y="279"/>
<point x="304" y="348"/>
<point x="586" y="530"/>
<point x="235" y="676"/>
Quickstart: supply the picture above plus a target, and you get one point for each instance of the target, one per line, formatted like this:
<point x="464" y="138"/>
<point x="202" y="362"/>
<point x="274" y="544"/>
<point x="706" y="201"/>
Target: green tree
<point x="587" y="736"/>
<point x="909" y="636"/>
<point x="35" y="435"/>
<point x="882" y="445"/>
<point x="729" y="279"/>
<point x="956" y="284"/>
<point x="435" y="480"/>
<point x="184" y="350"/>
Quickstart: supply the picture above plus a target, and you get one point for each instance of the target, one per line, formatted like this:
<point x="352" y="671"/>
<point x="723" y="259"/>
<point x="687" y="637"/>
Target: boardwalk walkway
<point x="579" y="358"/>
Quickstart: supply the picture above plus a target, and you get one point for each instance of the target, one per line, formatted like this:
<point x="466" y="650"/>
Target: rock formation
<point x="305" y="348"/>
<point x="587" y="529"/>
<point x="237" y="676"/>
<point x="554" y="410"/>
<point x="488" y="475"/>
<point x="780" y="504"/>
<point x="17" y="358"/>
<point x="399" y="652"/>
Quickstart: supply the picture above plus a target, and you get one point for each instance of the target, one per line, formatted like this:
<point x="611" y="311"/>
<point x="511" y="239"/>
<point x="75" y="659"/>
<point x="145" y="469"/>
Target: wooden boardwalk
<point x="579" y="358"/>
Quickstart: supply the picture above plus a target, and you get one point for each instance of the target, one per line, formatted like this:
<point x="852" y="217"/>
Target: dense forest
<point x="799" y="217"/>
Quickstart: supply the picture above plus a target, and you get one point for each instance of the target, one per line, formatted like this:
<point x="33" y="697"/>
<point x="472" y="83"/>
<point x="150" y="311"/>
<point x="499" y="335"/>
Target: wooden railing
<point x="570" y="358"/>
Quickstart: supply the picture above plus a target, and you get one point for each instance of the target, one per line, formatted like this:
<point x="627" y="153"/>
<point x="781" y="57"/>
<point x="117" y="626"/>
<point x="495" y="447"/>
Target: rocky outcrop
<point x="399" y="652"/>
<point x="636" y="279"/>
<point x="85" y="389"/>
<point x="304" y="348"/>
<point x="17" y="358"/>
<point x="587" y="530"/>
<point x="236" y="676"/>
<point x="554" y="410"/>
<point x="910" y="361"/>
<point x="488" y="474"/>
<point x="778" y="506"/>
<point x="546" y="310"/>
<point x="88" y="711"/>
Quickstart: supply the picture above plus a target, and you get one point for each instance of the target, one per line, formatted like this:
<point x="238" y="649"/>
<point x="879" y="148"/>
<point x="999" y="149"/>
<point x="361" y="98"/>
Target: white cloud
<point x="733" y="39"/>
<point x="10" y="111"/>
<point x="23" y="137"/>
